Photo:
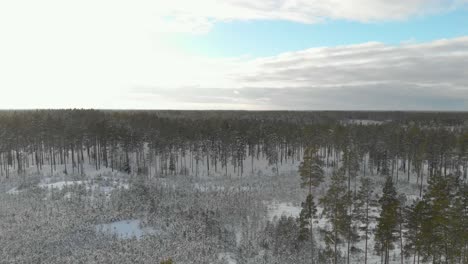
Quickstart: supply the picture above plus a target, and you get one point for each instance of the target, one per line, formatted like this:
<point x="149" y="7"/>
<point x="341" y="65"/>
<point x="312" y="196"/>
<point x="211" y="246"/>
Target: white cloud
<point x="198" y="16"/>
<point x="367" y="76"/>
<point x="427" y="63"/>
<point x="110" y="54"/>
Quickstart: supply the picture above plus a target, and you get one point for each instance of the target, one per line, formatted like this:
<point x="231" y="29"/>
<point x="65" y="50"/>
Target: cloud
<point x="427" y="76"/>
<point x="199" y="16"/>
<point x="109" y="54"/>
<point x="428" y="63"/>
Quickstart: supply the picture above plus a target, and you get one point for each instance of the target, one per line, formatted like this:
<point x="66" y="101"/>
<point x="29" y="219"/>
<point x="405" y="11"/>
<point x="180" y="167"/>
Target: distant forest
<point x="112" y="138"/>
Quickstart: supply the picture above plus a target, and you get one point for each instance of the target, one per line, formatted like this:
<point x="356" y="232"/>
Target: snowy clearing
<point x="126" y="229"/>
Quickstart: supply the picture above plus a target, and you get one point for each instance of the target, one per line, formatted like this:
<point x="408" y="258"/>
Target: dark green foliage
<point x="305" y="218"/>
<point x="438" y="222"/>
<point x="351" y="161"/>
<point x="172" y="167"/>
<point x="126" y="168"/>
<point x="436" y="203"/>
<point x="312" y="175"/>
<point x="364" y="200"/>
<point x="310" y="169"/>
<point x="335" y="204"/>
<point x="414" y="216"/>
<point x="168" y="261"/>
<point x="387" y="224"/>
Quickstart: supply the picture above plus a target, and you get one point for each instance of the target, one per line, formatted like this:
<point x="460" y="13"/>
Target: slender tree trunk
<point x="367" y="230"/>
<point x="65" y="165"/>
<point x="401" y="240"/>
<point x="386" y="253"/>
<point x="73" y="159"/>
<point x="252" y="164"/>
<point x="421" y="187"/>
<point x="336" y="242"/>
<point x="397" y="171"/>
<point x="208" y="163"/>
<point x="408" y="169"/>
<point x="311" y="228"/>
<point x="51" y="162"/>
<point x="82" y="160"/>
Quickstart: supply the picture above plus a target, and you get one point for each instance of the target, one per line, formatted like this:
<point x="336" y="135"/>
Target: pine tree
<point x="414" y="216"/>
<point x="311" y="170"/>
<point x="335" y="207"/>
<point x="307" y="213"/>
<point x="387" y="223"/>
<point x="458" y="222"/>
<point x="361" y="209"/>
<point x="351" y="165"/>
<point x="437" y="224"/>
<point x="440" y="218"/>
<point x="172" y="166"/>
<point x="312" y="175"/>
<point x="402" y="202"/>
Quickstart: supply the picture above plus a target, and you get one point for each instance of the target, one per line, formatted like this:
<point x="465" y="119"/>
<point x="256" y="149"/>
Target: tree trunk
<point x="421" y="187"/>
<point x="336" y="242"/>
<point x="401" y="239"/>
<point x="367" y="229"/>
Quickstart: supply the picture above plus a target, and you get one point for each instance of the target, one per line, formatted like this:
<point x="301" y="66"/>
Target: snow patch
<point x="13" y="191"/>
<point x="61" y="184"/>
<point x="89" y="186"/>
<point x="364" y="122"/>
<point x="276" y="209"/>
<point x="227" y="257"/>
<point x="126" y="229"/>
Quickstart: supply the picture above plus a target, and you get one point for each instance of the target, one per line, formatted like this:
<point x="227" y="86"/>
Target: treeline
<point x="156" y="143"/>
<point x="320" y="117"/>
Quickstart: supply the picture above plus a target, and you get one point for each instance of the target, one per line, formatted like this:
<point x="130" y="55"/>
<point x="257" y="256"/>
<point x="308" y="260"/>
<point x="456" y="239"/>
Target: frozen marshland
<point x="83" y="186"/>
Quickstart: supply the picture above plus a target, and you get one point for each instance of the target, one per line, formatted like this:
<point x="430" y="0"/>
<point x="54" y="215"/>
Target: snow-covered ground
<point x="126" y="229"/>
<point x="13" y="190"/>
<point x="61" y="184"/>
<point x="364" y="122"/>
<point x="227" y="258"/>
<point x="104" y="187"/>
<point x="277" y="209"/>
<point x="280" y="192"/>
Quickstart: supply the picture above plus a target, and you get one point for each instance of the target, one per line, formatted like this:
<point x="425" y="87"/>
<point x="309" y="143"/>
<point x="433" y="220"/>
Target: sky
<point x="235" y="54"/>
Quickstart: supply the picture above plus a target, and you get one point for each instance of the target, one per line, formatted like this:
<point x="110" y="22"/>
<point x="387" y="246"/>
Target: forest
<point x="111" y="186"/>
